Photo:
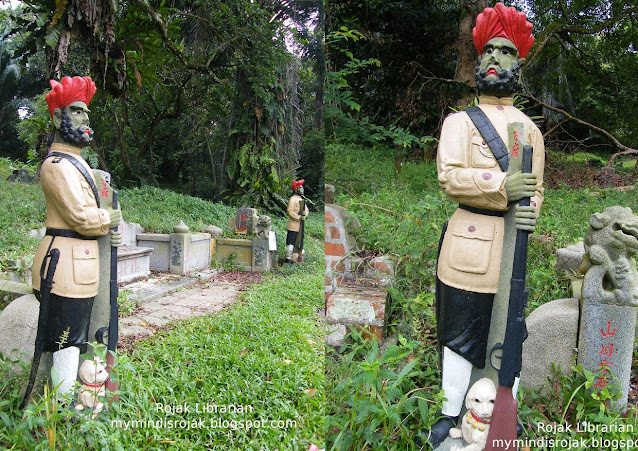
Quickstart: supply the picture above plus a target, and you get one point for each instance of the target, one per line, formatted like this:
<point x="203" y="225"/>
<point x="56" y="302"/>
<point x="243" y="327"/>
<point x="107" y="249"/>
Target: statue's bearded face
<point x="299" y="191"/>
<point x="74" y="128"/>
<point x="498" y="68"/>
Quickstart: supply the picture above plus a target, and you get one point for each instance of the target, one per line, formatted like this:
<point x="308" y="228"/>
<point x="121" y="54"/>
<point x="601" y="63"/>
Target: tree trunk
<point x="467" y="56"/>
<point x="321" y="70"/>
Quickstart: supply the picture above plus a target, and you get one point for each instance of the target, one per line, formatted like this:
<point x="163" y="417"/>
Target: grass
<point x="23" y="209"/>
<point x="266" y="351"/>
<point x="402" y="214"/>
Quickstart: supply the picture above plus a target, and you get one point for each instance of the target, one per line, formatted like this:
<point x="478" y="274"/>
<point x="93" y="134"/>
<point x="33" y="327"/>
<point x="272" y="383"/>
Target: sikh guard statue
<point x="297" y="214"/>
<point x="66" y="269"/>
<point x="479" y="166"/>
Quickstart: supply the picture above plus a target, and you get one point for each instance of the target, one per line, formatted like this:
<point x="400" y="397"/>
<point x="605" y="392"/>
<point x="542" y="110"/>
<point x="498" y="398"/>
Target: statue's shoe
<point x="437" y="433"/>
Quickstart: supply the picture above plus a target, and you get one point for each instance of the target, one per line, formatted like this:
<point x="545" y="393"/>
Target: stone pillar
<point x="610" y="298"/>
<point x="606" y="346"/>
<point x="261" y="256"/>
<point x="179" y="248"/>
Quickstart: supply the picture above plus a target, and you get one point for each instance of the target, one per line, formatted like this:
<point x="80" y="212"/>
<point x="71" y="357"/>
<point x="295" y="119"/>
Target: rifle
<point x="299" y="240"/>
<point x="46" y="284"/>
<point x="503" y="426"/>
<point x="111" y="385"/>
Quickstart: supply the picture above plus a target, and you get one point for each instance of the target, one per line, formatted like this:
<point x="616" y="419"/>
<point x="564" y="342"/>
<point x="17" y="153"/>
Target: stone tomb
<point x="256" y="254"/>
<point x="180" y="252"/>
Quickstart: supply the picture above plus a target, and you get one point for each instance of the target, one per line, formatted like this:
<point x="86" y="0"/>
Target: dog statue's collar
<point x="93" y="385"/>
<point x="479" y="419"/>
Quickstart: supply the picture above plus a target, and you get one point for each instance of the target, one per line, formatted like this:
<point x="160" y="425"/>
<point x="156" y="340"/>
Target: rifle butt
<point x="502" y="434"/>
<point x="111" y="385"/>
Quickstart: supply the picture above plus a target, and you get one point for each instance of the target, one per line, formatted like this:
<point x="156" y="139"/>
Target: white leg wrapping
<point x="456" y="380"/>
<point x="65" y="362"/>
<point x="515" y="386"/>
<point x="289" y="249"/>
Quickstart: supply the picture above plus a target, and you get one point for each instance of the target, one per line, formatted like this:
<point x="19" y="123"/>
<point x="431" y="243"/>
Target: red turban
<point x="69" y="90"/>
<point x="297" y="183"/>
<point x="503" y="22"/>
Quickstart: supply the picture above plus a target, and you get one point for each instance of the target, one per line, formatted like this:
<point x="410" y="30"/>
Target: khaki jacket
<point x="469" y="174"/>
<point x="71" y="205"/>
<point x="293" y="213"/>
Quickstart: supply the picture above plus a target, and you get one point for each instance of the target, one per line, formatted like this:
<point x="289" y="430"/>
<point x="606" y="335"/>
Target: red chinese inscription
<point x="607" y="351"/>
<point x="105" y="191"/>
<point x="243" y="217"/>
<point x="608" y="333"/>
<point x="515" y="147"/>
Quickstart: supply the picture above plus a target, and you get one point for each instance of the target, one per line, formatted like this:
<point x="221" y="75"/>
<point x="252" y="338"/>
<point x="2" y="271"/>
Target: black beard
<point x="74" y="135"/>
<point x="504" y="86"/>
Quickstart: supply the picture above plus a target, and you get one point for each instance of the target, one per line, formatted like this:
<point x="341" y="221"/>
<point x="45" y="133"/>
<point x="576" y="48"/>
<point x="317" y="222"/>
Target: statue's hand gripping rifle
<point x="503" y="426"/>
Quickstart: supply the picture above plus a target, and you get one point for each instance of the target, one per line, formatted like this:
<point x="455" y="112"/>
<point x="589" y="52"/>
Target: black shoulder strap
<point x="490" y="135"/>
<point x="82" y="170"/>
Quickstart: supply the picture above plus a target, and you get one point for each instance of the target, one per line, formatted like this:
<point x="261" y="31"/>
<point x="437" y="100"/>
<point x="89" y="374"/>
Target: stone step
<point x="163" y="284"/>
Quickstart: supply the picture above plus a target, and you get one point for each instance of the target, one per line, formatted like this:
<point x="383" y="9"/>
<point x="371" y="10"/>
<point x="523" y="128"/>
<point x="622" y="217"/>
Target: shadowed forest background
<point x="220" y="100"/>
<point x="398" y="68"/>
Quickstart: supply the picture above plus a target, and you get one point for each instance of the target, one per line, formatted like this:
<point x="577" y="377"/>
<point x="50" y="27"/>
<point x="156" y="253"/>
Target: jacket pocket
<point x="482" y="156"/>
<point x="86" y="267"/>
<point x="471" y="246"/>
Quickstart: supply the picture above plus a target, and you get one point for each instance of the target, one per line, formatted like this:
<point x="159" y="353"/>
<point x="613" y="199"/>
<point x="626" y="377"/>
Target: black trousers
<point x="291" y="238"/>
<point x="68" y="322"/>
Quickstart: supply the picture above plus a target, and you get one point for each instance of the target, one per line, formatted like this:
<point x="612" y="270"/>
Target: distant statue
<point x="297" y="214"/>
<point x="66" y="270"/>
<point x="479" y="166"/>
<point x="610" y="244"/>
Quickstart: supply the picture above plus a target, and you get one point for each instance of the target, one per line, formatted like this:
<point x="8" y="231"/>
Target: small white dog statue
<point x="93" y="375"/>
<point x="475" y="424"/>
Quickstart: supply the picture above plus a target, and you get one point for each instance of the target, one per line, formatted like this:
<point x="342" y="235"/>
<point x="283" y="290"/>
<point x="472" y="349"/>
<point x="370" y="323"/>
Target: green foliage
<point x="125" y="305"/>
<point x="182" y="88"/>
<point x="377" y="398"/>
<point x="342" y="121"/>
<point x="412" y="45"/>
<point x="23" y="210"/>
<point x="34" y="128"/>
<point x="257" y="177"/>
<point x="572" y="400"/>
<point x="158" y="210"/>
<point x="48" y="423"/>
<point x="588" y="157"/>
